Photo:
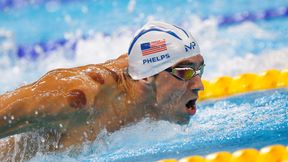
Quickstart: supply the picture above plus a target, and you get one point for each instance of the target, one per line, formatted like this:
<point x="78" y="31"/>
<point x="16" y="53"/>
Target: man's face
<point x="176" y="98"/>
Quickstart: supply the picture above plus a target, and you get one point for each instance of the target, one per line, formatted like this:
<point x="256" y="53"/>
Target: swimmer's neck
<point x="125" y="107"/>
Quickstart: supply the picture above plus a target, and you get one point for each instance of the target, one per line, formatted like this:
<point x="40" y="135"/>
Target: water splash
<point x="251" y="120"/>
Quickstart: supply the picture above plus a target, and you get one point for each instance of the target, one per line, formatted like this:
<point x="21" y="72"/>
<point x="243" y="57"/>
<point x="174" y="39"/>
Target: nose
<point x="195" y="84"/>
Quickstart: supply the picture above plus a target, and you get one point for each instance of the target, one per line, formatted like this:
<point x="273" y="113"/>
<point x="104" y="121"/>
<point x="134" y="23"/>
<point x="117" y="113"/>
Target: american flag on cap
<point x="153" y="47"/>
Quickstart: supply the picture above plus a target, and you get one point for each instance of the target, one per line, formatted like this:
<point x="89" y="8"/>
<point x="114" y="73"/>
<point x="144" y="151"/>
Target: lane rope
<point x="44" y="48"/>
<point x="253" y="16"/>
<point x="274" y="153"/>
<point x="226" y="86"/>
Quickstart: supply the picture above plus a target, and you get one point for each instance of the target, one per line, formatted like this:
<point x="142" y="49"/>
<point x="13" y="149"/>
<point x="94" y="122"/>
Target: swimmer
<point x="159" y="78"/>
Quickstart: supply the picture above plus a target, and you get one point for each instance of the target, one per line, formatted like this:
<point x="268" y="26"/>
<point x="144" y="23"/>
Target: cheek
<point x="170" y="89"/>
<point x="175" y="84"/>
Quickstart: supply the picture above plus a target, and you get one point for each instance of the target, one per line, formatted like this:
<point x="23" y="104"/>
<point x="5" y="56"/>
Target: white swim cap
<point x="158" y="46"/>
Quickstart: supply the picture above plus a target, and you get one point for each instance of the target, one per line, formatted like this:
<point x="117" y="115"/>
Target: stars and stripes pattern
<point x="153" y="47"/>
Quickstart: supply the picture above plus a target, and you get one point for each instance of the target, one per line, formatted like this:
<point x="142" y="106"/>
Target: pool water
<point x="36" y="22"/>
<point x="98" y="30"/>
<point x="251" y="120"/>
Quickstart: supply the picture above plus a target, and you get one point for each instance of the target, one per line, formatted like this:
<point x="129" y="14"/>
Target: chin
<point x="174" y="114"/>
<point x="182" y="119"/>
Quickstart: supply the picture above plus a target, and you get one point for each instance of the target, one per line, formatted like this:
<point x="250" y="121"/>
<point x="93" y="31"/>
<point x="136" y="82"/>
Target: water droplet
<point x="60" y="125"/>
<point x="85" y="134"/>
<point x="4" y="117"/>
<point x="12" y="117"/>
<point x="36" y="112"/>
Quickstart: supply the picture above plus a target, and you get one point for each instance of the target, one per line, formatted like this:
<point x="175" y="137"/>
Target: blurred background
<point x="39" y="35"/>
<point x="235" y="37"/>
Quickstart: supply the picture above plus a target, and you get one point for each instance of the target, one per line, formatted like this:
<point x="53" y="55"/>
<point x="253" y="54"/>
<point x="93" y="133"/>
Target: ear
<point x="148" y="80"/>
<point x="149" y="84"/>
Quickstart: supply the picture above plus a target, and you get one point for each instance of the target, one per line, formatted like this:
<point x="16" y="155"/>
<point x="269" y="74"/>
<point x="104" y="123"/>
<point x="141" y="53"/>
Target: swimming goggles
<point x="185" y="73"/>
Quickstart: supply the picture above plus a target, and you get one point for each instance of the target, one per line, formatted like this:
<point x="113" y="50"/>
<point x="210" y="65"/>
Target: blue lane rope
<point x="5" y="4"/>
<point x="31" y="51"/>
<point x="252" y="16"/>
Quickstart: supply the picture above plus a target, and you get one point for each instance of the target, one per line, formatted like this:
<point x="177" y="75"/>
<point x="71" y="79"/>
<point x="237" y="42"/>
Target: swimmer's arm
<point x="25" y="146"/>
<point x="18" y="148"/>
<point x="52" y="101"/>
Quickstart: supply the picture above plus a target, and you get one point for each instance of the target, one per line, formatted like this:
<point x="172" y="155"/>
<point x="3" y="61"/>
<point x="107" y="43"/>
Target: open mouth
<point x="191" y="107"/>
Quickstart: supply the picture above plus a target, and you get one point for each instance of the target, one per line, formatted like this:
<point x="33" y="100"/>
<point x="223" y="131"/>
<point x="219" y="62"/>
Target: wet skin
<point x="79" y="102"/>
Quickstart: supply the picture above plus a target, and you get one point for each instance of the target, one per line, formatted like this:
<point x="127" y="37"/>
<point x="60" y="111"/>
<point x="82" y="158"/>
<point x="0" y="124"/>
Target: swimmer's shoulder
<point x="110" y="68"/>
<point x="119" y="63"/>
